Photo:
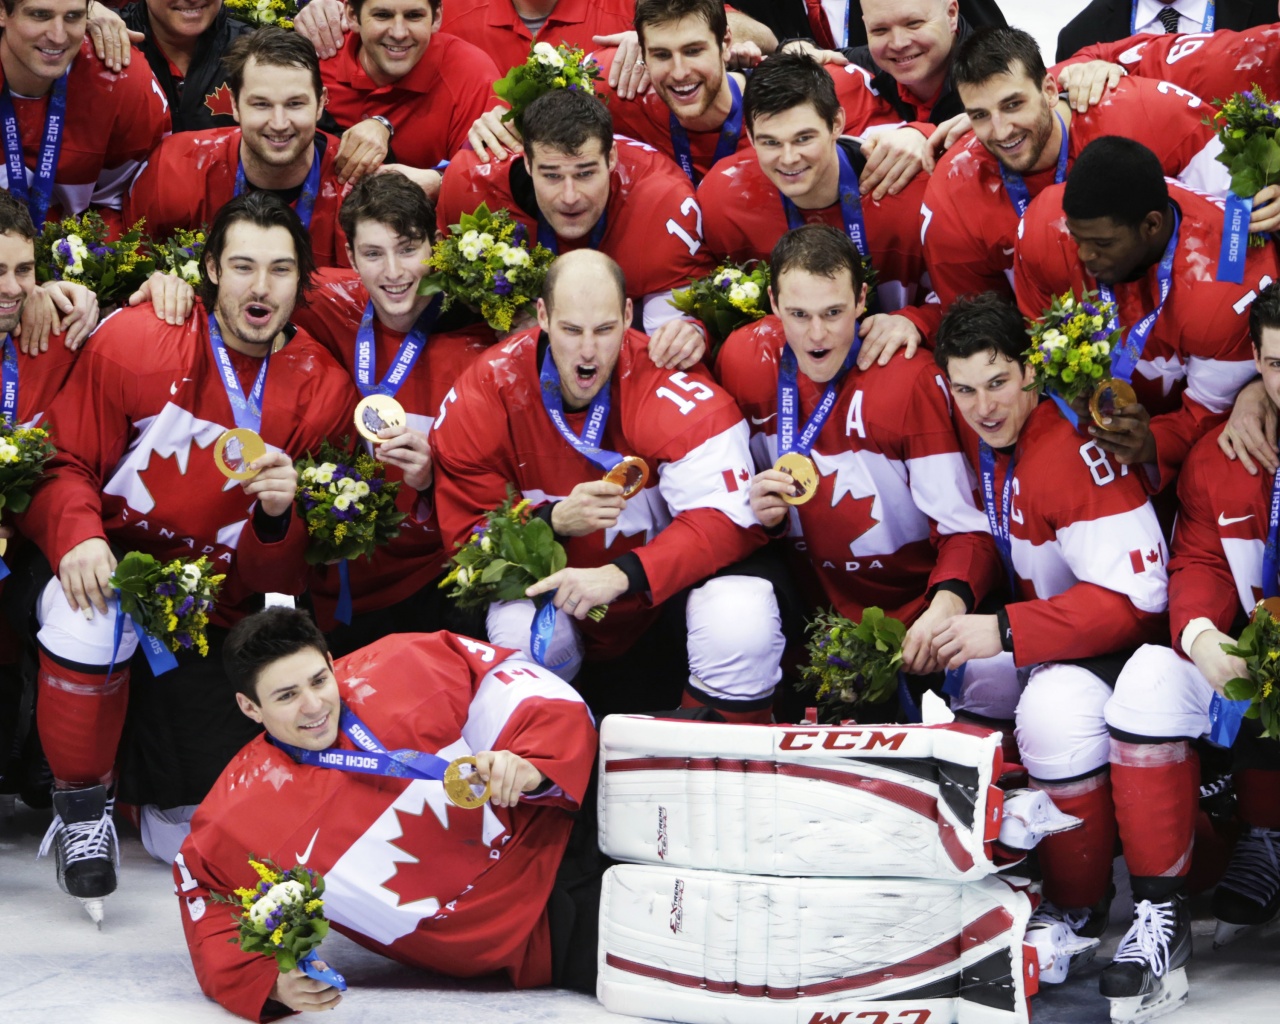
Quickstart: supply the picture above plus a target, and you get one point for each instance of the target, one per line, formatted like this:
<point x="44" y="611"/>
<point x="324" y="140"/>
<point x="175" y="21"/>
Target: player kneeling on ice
<point x="357" y="778"/>
<point x="1085" y="560"/>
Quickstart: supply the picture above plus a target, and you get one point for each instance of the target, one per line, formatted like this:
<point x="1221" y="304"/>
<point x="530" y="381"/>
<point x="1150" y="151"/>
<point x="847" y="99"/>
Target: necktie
<point x="819" y="25"/>
<point x="1168" y="18"/>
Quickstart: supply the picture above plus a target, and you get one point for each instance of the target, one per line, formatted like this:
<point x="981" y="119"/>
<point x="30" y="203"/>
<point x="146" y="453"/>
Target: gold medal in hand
<point x="804" y="476"/>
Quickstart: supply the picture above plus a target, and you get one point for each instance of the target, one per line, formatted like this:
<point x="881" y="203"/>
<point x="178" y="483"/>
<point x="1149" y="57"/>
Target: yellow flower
<point x="265" y="873"/>
<point x="277" y="936"/>
<point x="1265" y="692"/>
<point x="312" y="906"/>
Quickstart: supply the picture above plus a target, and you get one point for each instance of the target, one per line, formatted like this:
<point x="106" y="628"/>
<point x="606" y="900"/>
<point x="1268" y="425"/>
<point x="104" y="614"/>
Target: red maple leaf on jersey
<point x="856" y="515"/>
<point x="219" y="101"/>
<point x="433" y="877"/>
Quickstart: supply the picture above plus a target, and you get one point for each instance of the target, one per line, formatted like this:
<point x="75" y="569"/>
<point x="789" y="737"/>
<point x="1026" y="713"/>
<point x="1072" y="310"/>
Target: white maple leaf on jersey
<point x="1169" y="371"/>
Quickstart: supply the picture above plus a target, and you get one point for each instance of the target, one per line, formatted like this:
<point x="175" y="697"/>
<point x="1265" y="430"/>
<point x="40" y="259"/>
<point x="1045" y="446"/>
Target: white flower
<point x="78" y="249"/>
<point x="1102" y="348"/>
<point x="471" y="237"/>
<point x="485" y="240"/>
<point x="288" y="893"/>
<point x="1053" y="338"/>
<point x="323" y="476"/>
<point x="486" y="544"/>
<point x="751" y="290"/>
<point x="737" y="294"/>
<point x="260" y="911"/>
<point x="190" y="271"/>
<point x="190" y="578"/>
<point x="8" y="452"/>
<point x="309" y="475"/>
<point x="346" y="484"/>
<point x="361" y="489"/>
<point x="500" y="248"/>
<point x="464" y="575"/>
<point x="470" y="253"/>
<point x="515" y="257"/>
<point x="1069" y="302"/>
<point x="342" y="502"/>
<point x="545" y="53"/>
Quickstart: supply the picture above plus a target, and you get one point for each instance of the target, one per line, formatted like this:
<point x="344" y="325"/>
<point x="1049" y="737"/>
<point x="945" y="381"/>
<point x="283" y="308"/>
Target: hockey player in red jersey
<point x="277" y="99"/>
<point x="553" y="410"/>
<point x="390" y="341"/>
<point x="1223" y="563"/>
<point x="1157" y="250"/>
<point x="892" y="521"/>
<point x="800" y="171"/>
<point x="1024" y="139"/>
<point x="136" y="423"/>
<point x="577" y="185"/>
<point x="459" y="891"/>
<point x="74" y="133"/>
<point x="1086" y="565"/>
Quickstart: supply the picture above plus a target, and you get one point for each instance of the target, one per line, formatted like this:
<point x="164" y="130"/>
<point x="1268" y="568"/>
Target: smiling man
<point x="555" y="409"/>
<point x="460" y="891"/>
<point x="136" y="423"/>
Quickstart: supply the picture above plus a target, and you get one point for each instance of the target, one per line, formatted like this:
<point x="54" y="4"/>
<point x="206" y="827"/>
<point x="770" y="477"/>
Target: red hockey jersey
<point x="495" y="27"/>
<point x="113" y="121"/>
<point x="1198" y="355"/>
<point x="407" y="874"/>
<point x="692" y="518"/>
<point x="1087" y="549"/>
<point x="894" y="514"/>
<point x="432" y="111"/>
<point x="970" y="226"/>
<point x="744" y="218"/>
<point x="136" y="422"/>
<point x="192" y="175"/>
<point x="653" y="224"/>
<point x="332" y="316"/>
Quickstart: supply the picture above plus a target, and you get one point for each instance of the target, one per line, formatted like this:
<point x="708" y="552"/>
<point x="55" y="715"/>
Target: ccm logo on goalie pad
<point x="872" y="1017"/>
<point x="842" y="739"/>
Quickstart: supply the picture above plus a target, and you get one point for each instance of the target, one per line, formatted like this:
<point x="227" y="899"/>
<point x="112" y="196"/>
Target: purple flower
<point x="167" y="589"/>
<point x="520" y="235"/>
<point x="501" y="286"/>
<point x="833" y="660"/>
<point x="184" y="638"/>
<point x="185" y="607"/>
<point x="100" y="250"/>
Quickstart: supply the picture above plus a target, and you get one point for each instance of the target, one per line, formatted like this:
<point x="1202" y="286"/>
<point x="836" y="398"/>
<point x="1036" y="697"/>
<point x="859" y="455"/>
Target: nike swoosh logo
<point x="1007" y="252"/>
<point x="173" y="388"/>
<point x="760" y="423"/>
<point x="303" y="857"/>
<point x="1224" y="521"/>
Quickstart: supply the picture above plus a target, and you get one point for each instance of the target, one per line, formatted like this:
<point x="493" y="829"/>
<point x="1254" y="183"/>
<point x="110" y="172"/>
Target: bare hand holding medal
<point x="377" y="412"/>
<point x="631" y="474"/>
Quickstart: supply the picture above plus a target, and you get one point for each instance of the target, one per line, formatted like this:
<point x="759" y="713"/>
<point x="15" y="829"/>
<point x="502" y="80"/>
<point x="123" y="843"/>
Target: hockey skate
<point x="1248" y="897"/>
<point x="83" y="835"/>
<point x="1147" y="977"/>
<point x="1055" y="934"/>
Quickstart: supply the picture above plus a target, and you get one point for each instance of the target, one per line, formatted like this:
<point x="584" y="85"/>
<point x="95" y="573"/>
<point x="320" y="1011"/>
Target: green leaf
<point x="1239" y="689"/>
<point x="494" y="571"/>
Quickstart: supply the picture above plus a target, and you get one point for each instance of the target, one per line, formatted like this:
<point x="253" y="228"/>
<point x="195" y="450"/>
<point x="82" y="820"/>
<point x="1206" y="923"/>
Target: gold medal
<point x="459" y="788"/>
<point x="4" y="545"/>
<point x="1108" y="398"/>
<point x="235" y="449"/>
<point x="1271" y="604"/>
<point x="804" y="474"/>
<point x="631" y="474"/>
<point x="377" y="412"/>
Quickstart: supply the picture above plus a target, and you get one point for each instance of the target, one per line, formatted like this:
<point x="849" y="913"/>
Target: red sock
<point x="1156" y="787"/>
<point x="1258" y="797"/>
<point x="80" y="715"/>
<point x="754" y="716"/>
<point x="1077" y="863"/>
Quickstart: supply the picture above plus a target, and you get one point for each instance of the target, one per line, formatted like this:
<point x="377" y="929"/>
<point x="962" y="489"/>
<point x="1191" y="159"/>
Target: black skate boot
<point x="83" y="835"/>
<point x="1148" y="975"/>
<point x="1249" y="894"/>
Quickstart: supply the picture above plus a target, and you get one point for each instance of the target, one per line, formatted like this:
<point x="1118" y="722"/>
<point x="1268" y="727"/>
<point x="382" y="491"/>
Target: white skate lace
<point x="85" y="840"/>
<point x="1048" y="914"/>
<point x="1147" y="940"/>
<point x="1254" y="870"/>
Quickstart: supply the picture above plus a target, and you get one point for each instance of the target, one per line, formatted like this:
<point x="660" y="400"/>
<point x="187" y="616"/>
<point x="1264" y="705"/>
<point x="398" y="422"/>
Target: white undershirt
<point x="1190" y="15"/>
<point x="838" y="19"/>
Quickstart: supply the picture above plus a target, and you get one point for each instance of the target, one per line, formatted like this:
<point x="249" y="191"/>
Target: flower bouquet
<point x="547" y="67"/>
<point x="76" y="249"/>
<point x="1248" y="124"/>
<point x="850" y="664"/>
<point x="1071" y="346"/>
<point x="487" y="263"/>
<point x="735" y="295"/>
<point x="283" y="917"/>
<point x="263" y="12"/>
<point x="509" y="553"/>
<point x="171" y="601"/>
<point x="180" y="254"/>
<point x="1259" y="646"/>
<point x="347" y="503"/>
<point x="24" y="452"/>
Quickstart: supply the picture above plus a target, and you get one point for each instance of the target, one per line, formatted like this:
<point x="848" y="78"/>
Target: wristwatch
<point x="391" y="131"/>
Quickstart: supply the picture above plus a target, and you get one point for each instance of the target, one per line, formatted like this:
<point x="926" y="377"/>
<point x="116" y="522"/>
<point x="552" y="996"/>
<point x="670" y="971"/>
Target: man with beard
<point x="137" y="422"/>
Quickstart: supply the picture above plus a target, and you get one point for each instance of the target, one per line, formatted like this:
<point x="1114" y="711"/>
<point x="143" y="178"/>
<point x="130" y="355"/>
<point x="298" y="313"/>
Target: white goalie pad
<point x="876" y="801"/>
<point x="705" y="947"/>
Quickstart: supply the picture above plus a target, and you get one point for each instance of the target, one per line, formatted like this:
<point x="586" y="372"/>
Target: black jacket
<point x="790" y="19"/>
<point x="205" y="101"/>
<point x="1105" y="21"/>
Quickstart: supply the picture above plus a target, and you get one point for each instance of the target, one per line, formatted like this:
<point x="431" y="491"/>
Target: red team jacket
<point x="1198" y="355"/>
<point x="135" y="424"/>
<point x="744" y="218"/>
<point x="970" y="226"/>
<point x="407" y="874"/>
<point x="494" y="26"/>
<point x="113" y="121"/>
<point x="332" y="316"/>
<point x="1087" y="549"/>
<point x="692" y="518"/>
<point x="895" y="513"/>
<point x="193" y="175"/>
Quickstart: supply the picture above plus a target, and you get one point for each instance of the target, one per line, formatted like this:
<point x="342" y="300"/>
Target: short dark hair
<point x="1264" y="312"/>
<point x="788" y="80"/>
<point x="264" y="210"/>
<point x="271" y="46"/>
<point x="15" y="218"/>
<point x="980" y="323"/>
<point x="12" y="5"/>
<point x="662" y="12"/>
<point x="994" y="50"/>
<point x="566" y="120"/>
<point x="1118" y="178"/>
<point x="611" y="266"/>
<point x="264" y="637"/>
<point x="390" y="199"/>
<point x="358" y="5"/>
<point x="817" y="249"/>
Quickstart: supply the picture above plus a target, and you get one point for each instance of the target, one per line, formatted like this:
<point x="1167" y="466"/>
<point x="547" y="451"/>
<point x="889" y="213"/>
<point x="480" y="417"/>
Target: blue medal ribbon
<point x="855" y="225"/>
<point x="40" y="196"/>
<point x="730" y="136"/>
<point x="310" y="966"/>
<point x="158" y="655"/>
<point x="9" y="395"/>
<point x="406" y="356"/>
<point x="1125" y="356"/>
<point x="1235" y="239"/>
<point x="789" y="401"/>
<point x="310" y="188"/>
<point x="372" y="758"/>
<point x="1016" y="187"/>
<point x="246" y="411"/>
<point x="548" y="239"/>
<point x="1205" y="26"/>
